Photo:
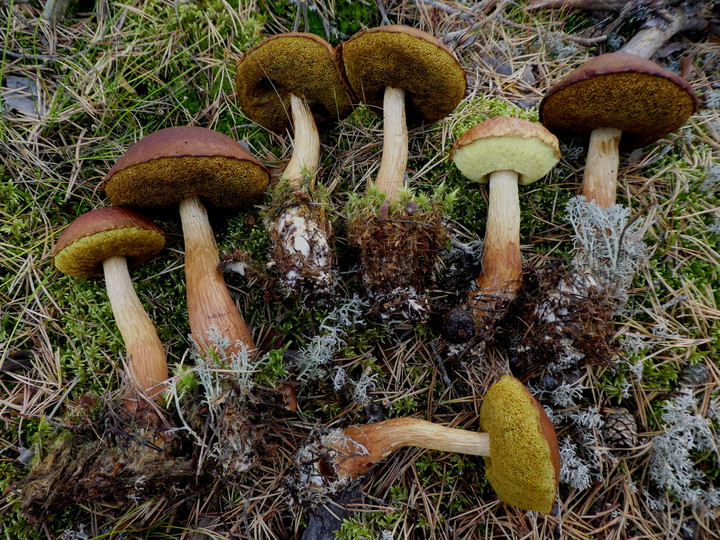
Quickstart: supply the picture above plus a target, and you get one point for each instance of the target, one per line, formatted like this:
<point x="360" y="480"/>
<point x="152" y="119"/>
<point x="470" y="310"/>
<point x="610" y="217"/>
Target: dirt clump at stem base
<point x="398" y="251"/>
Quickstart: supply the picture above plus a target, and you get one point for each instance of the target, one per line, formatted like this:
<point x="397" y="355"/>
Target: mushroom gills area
<point x="225" y="182"/>
<point x="644" y="107"/>
<point x="521" y="466"/>
<point x="81" y="257"/>
<point x="523" y="155"/>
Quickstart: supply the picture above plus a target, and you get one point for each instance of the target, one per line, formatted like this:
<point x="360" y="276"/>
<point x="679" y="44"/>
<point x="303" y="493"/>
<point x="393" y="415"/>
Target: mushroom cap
<point x="408" y="59"/>
<point x="506" y="143"/>
<point x="103" y="233"/>
<point x="524" y="462"/>
<point x="622" y="91"/>
<point x="172" y="164"/>
<point x="291" y="63"/>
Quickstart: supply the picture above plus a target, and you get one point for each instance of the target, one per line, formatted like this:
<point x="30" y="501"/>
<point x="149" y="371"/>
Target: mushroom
<point x="413" y="77"/>
<point x="503" y="152"/>
<point x="296" y="72"/>
<point x="183" y="165"/>
<point x="522" y="460"/>
<point x="104" y="242"/>
<point x="611" y="96"/>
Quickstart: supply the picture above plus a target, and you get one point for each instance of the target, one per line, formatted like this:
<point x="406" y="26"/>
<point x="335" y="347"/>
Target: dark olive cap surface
<point x="292" y="63"/>
<point x="103" y="233"/>
<point x="172" y="164"/>
<point x="622" y="91"/>
<point x="405" y="58"/>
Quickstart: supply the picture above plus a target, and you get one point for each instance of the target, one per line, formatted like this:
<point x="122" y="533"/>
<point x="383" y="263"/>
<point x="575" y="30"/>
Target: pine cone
<point x="620" y="431"/>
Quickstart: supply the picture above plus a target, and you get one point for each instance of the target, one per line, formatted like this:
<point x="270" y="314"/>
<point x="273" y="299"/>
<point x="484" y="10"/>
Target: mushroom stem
<point x="372" y="443"/>
<point x="145" y="352"/>
<point x="211" y="308"/>
<point x="601" y="166"/>
<point x="306" y="144"/>
<point x="391" y="176"/>
<point x="502" y="265"/>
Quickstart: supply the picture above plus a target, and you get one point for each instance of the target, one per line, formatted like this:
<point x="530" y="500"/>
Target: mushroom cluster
<point x="297" y="82"/>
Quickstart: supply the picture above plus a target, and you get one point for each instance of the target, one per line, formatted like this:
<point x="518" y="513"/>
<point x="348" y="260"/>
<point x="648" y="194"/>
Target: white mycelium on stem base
<point x="302" y="235"/>
<point x="296" y="73"/>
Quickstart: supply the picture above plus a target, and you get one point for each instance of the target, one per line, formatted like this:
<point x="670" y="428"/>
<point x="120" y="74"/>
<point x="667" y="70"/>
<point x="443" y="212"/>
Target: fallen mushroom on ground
<point x="414" y="79"/>
<point x="522" y="460"/>
<point x="104" y="242"/>
<point x="291" y="81"/>
<point x="180" y="166"/>
<point x="503" y="152"/>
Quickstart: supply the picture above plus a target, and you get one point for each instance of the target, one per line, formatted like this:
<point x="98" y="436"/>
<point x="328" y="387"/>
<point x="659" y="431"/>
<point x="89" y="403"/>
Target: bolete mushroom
<point x="522" y="459"/>
<point x="613" y="96"/>
<point x="413" y="77"/>
<point x="291" y="81"/>
<point x="183" y="165"/>
<point x="104" y="242"/>
<point x="503" y="152"/>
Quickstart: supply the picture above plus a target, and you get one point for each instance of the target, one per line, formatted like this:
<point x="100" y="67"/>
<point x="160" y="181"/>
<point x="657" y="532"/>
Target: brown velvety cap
<point x="103" y="233"/>
<point x="291" y="63"/>
<point x="405" y="58"/>
<point x="623" y="91"/>
<point x="173" y="164"/>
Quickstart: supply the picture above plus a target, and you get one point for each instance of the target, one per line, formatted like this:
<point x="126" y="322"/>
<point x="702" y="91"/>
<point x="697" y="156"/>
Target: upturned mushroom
<point x="503" y="152"/>
<point x="522" y="459"/>
<point x="180" y="166"/>
<point x="619" y="99"/>
<point x="104" y="242"/>
<point x="414" y="79"/>
<point x="291" y="81"/>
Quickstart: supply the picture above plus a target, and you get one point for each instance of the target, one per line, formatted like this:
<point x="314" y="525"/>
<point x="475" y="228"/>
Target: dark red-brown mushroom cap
<point x="96" y="236"/>
<point x="622" y="91"/>
<point x="173" y="164"/>
<point x="291" y="63"/>
<point x="405" y="58"/>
